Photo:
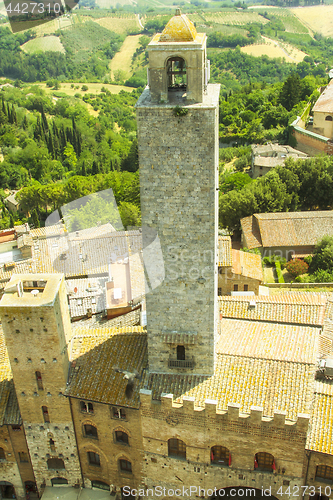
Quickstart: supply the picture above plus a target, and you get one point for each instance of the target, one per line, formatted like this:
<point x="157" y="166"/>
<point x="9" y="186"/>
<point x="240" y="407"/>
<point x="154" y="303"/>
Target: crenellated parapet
<point x="232" y="416"/>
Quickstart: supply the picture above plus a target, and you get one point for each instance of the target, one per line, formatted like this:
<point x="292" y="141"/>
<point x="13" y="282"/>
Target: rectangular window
<point x="235" y="288"/>
<point x="219" y="291"/>
<point x="46" y="415"/>
<point x="52" y="445"/>
<point x="246" y="288"/>
<point x="23" y="457"/>
<point x="118" y="413"/>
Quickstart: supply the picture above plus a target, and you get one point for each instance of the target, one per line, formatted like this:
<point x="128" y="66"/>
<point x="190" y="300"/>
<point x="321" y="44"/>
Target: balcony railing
<point x="181" y="363"/>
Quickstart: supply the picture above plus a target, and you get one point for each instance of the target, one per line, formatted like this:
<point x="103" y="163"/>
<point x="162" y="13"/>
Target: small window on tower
<point x="23" y="457"/>
<point x="39" y="381"/>
<point x="46" y="415"/>
<point x="52" y="445"/>
<point x="180" y="352"/>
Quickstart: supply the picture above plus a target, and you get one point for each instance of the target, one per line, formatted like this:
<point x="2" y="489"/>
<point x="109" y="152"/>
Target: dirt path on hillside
<point x="123" y="59"/>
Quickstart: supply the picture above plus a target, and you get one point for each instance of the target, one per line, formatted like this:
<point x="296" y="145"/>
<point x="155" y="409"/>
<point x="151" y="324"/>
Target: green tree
<point x="323" y="255"/>
<point x="35" y="218"/>
<point x="290" y="94"/>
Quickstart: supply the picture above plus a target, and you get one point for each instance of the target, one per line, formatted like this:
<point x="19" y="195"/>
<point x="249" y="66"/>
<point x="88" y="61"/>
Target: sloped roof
<point x="324" y="103"/>
<point x="320" y="437"/>
<point x="225" y="258"/>
<point x="96" y="353"/>
<point x="269" y="373"/>
<point x="251" y="232"/>
<point x="179" y="29"/>
<point x="297" y="308"/>
<point x="247" y="264"/>
<point x="269" y="340"/>
<point x="287" y="229"/>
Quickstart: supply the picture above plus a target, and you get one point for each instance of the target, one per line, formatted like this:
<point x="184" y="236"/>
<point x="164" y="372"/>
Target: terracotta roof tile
<point x="225" y="259"/>
<point x="287" y="229"/>
<point x="298" y="308"/>
<point x="96" y="353"/>
<point x="251" y="232"/>
<point x="269" y="340"/>
<point x="320" y="437"/>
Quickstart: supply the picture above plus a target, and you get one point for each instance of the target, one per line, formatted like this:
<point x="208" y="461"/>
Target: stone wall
<point x="178" y="157"/>
<point x="227" y="280"/>
<point x="200" y="429"/>
<point x="105" y="445"/>
<point x="9" y="470"/>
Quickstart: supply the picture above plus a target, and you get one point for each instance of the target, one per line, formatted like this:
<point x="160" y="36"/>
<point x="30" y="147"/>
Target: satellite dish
<point x="34" y="292"/>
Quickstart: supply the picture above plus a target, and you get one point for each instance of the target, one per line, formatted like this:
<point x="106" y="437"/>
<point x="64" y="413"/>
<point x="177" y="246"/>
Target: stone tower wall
<point x="36" y="341"/>
<point x="178" y="158"/>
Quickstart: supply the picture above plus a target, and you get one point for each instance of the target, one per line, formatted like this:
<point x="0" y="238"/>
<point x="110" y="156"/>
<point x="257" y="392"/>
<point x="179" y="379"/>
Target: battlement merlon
<point x="233" y="414"/>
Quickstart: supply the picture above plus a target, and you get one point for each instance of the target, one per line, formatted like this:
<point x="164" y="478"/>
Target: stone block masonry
<point x="178" y="157"/>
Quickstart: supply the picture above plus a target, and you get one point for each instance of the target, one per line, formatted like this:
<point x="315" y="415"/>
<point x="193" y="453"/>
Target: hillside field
<point x="44" y="44"/>
<point x="319" y="18"/>
<point x="271" y="48"/>
<point x="123" y="59"/>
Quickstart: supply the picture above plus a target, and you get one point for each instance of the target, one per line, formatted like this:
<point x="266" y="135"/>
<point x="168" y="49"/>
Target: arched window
<point x="39" y="381"/>
<point x="58" y="480"/>
<point x="264" y="461"/>
<point x="55" y="463"/>
<point x="324" y="472"/>
<point x="121" y="437"/>
<point x="176" y="448"/>
<point x="52" y="445"/>
<point x="100" y="485"/>
<point x="125" y="465"/>
<point x="180" y="352"/>
<point x="86" y="407"/>
<point x="220" y="455"/>
<point x="2" y="454"/>
<point x="46" y="415"/>
<point x="90" y="431"/>
<point x="328" y="118"/>
<point x="176" y="73"/>
<point x="93" y="458"/>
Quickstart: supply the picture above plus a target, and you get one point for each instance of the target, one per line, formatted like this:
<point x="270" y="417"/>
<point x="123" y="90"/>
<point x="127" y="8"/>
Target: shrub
<point x="84" y="88"/>
<point x="279" y="272"/>
<point x="297" y="267"/>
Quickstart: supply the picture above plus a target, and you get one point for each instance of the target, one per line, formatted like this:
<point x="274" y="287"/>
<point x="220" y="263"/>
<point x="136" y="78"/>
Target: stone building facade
<point x="215" y="396"/>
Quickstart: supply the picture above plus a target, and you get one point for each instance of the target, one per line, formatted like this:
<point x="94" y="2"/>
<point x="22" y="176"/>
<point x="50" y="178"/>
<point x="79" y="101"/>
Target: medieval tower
<point x="36" y="326"/>
<point x="177" y="120"/>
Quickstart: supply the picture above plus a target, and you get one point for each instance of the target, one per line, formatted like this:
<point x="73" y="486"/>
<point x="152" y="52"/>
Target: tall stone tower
<point x="36" y="324"/>
<point x="177" y="118"/>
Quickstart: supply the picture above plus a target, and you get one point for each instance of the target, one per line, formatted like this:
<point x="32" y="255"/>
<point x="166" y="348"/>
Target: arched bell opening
<point x="176" y="74"/>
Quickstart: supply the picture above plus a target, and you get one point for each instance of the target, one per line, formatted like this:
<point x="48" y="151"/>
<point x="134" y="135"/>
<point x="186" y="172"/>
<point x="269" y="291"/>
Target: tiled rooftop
<point x="225" y="258"/>
<point x="298" y="308"/>
<point x="320" y="437"/>
<point x="324" y="103"/>
<point x="287" y="229"/>
<point x="96" y="353"/>
<point x="270" y="384"/>
<point x="269" y="340"/>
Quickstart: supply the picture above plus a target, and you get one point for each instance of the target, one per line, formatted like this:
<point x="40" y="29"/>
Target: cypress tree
<point x="11" y="220"/>
<point x="84" y="171"/>
<point x="25" y="123"/>
<point x="14" y="117"/>
<point x="35" y="218"/>
<point x="44" y="122"/>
